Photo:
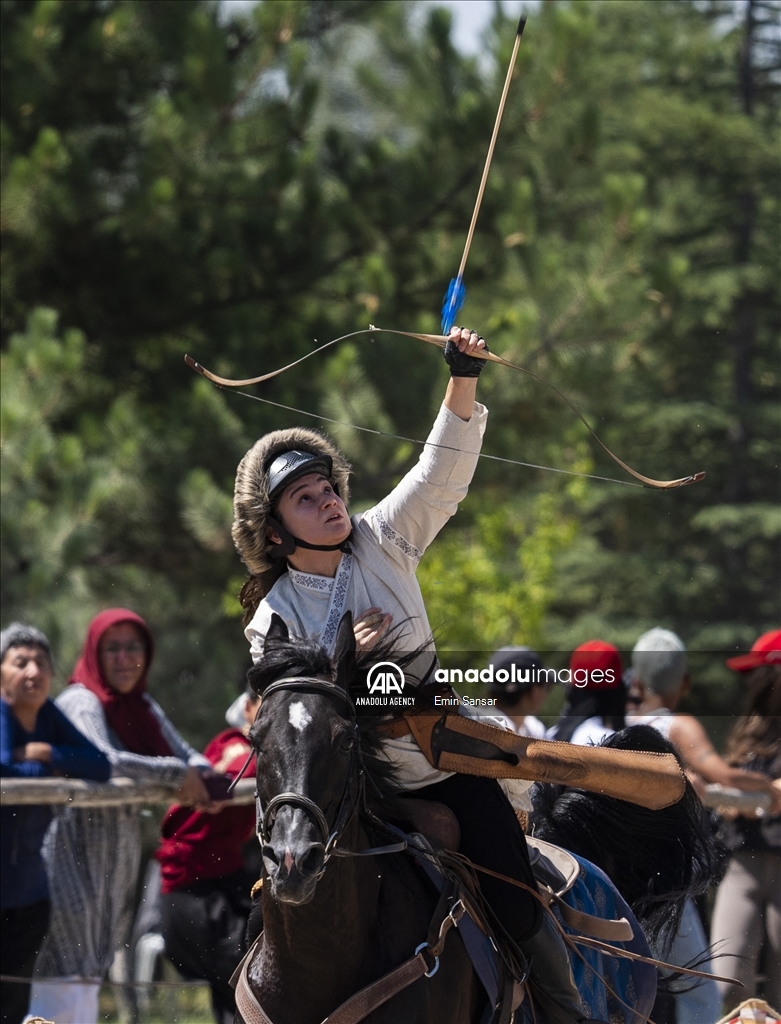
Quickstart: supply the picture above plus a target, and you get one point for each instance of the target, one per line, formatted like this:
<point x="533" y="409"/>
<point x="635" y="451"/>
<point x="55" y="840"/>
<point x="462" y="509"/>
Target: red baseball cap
<point x="765" y="651"/>
<point x="601" y="661"/>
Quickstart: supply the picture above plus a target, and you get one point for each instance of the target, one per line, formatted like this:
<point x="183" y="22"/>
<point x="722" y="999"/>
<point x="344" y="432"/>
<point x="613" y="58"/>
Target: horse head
<point x="307" y="747"/>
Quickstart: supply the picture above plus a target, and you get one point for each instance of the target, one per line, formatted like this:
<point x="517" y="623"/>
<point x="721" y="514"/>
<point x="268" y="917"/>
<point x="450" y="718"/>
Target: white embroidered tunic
<point x="388" y="542"/>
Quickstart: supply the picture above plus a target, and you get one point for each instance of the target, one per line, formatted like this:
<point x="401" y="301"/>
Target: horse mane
<point x="296" y="656"/>
<point x="655" y="858"/>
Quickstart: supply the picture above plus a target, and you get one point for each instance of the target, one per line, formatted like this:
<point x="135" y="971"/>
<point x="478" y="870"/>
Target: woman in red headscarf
<point x="93" y="854"/>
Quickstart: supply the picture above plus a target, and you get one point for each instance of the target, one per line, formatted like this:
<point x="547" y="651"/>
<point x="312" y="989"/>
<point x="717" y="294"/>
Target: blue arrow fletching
<point x="452" y="303"/>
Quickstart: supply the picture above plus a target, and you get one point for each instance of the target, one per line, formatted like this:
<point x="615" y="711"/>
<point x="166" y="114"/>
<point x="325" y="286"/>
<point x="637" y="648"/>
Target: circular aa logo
<point x="385" y="677"/>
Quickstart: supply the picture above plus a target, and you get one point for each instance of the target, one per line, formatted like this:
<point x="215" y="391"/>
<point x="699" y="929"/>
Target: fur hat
<point x="251" y="505"/>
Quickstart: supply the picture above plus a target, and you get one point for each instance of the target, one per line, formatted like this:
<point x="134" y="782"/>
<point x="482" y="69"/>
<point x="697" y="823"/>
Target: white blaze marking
<point x="298" y="716"/>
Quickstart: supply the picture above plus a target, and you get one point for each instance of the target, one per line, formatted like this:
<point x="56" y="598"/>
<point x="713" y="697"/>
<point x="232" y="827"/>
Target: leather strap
<point x="246" y="1003"/>
<point x="365" y="1001"/>
<point x="358" y="1006"/>
<point x="233" y="981"/>
<point x="603" y="947"/>
<point x="362" y="1003"/>
<point x="422" y="726"/>
<point x="626" y="954"/>
<point x="392" y="730"/>
<point x="503" y="1014"/>
<point x="607" y="929"/>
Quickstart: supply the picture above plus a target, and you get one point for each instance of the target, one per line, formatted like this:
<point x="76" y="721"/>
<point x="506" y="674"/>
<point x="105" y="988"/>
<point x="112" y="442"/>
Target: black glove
<point x="462" y="365"/>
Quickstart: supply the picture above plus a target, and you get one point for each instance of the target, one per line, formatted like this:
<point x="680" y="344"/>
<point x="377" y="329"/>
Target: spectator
<point x="36" y="741"/>
<point x="92" y="854"/>
<point x="660" y="682"/>
<point x="747" y="913"/>
<point x="521" y="691"/>
<point x="596" y="696"/>
<point x="206" y="886"/>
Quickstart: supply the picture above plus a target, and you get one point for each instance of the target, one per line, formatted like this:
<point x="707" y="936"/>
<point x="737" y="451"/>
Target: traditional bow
<point x="440" y="341"/>
<point x="453" y="301"/>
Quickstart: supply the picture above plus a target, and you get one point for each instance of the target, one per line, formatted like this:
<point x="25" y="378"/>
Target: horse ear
<point x="253" y="681"/>
<point x="278" y="629"/>
<point x="344" y="651"/>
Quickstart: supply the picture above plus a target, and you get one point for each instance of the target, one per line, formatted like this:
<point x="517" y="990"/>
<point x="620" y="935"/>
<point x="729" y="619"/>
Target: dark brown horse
<point x="334" y="923"/>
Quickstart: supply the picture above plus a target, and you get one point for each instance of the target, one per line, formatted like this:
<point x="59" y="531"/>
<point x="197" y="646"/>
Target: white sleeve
<point x="177" y="743"/>
<point x="591" y="733"/>
<point x="85" y="711"/>
<point x="257" y="629"/>
<point x="405" y="522"/>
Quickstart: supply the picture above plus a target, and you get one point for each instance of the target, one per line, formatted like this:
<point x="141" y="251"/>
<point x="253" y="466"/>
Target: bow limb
<point x="440" y="341"/>
<point x="227" y="382"/>
<point x="663" y="485"/>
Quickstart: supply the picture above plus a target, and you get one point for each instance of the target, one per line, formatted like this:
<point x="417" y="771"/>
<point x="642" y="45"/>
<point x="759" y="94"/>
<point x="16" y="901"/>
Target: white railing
<point x="737" y="799"/>
<point x="80" y="793"/>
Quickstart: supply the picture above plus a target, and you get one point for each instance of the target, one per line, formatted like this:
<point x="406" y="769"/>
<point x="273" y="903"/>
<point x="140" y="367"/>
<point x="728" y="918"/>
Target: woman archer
<point x="310" y="562"/>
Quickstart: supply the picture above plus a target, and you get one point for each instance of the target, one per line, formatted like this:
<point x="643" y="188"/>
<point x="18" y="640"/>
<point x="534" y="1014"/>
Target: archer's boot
<point x="550" y="970"/>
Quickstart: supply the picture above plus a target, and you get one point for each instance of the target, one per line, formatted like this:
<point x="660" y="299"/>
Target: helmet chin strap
<point x="290" y="543"/>
<point x="344" y="546"/>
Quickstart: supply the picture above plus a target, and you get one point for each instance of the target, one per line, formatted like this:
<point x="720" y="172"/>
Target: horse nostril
<point x="312" y="860"/>
<point x="270" y="858"/>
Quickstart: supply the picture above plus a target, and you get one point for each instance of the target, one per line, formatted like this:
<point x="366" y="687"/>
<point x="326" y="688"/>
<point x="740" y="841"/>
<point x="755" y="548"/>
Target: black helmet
<point x="289" y="466"/>
<point x="274" y="462"/>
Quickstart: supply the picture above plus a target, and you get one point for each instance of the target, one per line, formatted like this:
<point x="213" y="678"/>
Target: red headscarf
<point x="128" y="714"/>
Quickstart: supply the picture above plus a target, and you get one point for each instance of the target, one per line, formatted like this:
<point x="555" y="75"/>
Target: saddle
<point x="553" y="866"/>
<point x="555" y="869"/>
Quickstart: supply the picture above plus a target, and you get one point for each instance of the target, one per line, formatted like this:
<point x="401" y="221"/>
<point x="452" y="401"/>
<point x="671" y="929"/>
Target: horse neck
<point x="340" y="916"/>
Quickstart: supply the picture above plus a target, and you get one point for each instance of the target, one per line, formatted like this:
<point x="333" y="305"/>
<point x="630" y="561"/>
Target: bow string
<point x="440" y="340"/>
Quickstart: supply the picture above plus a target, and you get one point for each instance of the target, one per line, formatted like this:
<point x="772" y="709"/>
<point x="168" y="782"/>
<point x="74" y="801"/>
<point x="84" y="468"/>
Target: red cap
<point x="766" y="651"/>
<point x="601" y="661"/>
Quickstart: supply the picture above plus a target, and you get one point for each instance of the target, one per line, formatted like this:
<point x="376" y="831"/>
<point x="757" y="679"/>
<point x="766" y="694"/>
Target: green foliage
<point x="55" y="480"/>
<point x="174" y="183"/>
<point x="492" y="585"/>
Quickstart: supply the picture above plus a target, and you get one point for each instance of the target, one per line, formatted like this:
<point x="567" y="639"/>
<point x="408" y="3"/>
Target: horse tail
<point x="655" y="858"/>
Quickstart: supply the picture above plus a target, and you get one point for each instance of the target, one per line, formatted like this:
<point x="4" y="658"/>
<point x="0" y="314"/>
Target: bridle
<point x="264" y="818"/>
<point x="353" y="796"/>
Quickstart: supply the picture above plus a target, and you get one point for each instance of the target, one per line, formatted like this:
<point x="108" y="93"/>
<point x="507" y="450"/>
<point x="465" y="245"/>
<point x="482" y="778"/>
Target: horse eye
<point x="347" y="743"/>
